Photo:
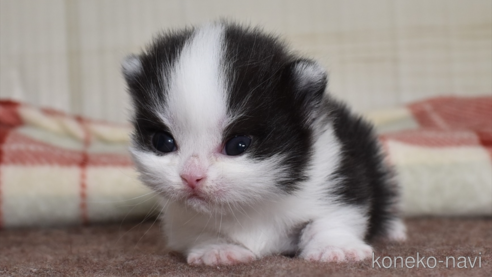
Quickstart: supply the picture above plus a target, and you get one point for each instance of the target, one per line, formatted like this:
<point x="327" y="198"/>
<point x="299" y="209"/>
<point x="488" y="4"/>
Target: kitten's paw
<point x="397" y="231"/>
<point x="222" y="254"/>
<point x="356" y="252"/>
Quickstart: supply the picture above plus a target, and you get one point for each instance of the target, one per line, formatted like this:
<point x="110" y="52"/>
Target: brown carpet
<point x="136" y="250"/>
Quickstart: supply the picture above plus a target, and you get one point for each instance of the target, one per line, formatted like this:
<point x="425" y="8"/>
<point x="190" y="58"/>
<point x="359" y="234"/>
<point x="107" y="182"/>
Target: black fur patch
<point x="364" y="179"/>
<point x="148" y="88"/>
<point x="262" y="91"/>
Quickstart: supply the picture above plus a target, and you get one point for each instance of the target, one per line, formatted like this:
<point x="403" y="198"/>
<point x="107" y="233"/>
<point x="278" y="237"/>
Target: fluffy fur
<point x="312" y="183"/>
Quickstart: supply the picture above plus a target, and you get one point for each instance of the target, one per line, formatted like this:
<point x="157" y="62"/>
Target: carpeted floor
<point x="136" y="250"/>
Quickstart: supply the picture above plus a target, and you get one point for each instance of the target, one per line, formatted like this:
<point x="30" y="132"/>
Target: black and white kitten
<point x="249" y="154"/>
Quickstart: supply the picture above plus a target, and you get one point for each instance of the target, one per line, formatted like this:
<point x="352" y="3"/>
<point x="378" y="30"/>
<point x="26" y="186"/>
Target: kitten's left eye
<point x="163" y="142"/>
<point x="237" y="145"/>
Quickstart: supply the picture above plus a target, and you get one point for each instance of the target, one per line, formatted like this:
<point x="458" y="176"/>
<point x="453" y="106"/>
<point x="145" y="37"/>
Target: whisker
<point x="155" y="220"/>
<point x="191" y="218"/>
<point x="232" y="211"/>
<point x="152" y="194"/>
<point x="205" y="227"/>
<point x="150" y="212"/>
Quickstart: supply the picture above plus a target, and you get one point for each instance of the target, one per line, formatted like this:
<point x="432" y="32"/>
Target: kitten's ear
<point x="309" y="80"/>
<point x="131" y="66"/>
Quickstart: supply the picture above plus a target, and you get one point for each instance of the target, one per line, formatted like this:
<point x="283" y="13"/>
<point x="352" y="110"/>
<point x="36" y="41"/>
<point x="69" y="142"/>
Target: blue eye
<point x="163" y="142"/>
<point x="237" y="145"/>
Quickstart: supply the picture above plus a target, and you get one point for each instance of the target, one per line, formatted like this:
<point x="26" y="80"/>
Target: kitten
<point x="248" y="153"/>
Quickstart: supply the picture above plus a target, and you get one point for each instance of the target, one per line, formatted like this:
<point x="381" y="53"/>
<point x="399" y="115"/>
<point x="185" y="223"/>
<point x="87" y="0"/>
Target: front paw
<point x="355" y="252"/>
<point x="221" y="254"/>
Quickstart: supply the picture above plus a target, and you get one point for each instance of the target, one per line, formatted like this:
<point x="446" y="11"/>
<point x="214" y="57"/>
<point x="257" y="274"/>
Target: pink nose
<point x="192" y="180"/>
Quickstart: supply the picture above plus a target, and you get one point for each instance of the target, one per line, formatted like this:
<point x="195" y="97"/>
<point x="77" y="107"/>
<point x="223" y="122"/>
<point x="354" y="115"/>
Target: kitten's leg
<point x="336" y="238"/>
<point x="202" y="247"/>
<point x="397" y="230"/>
<point x="219" y="253"/>
<point x="198" y="245"/>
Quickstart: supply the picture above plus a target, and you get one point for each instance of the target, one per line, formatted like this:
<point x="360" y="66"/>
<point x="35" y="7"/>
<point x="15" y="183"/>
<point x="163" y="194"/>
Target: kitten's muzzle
<point x="193" y="181"/>
<point x="193" y="173"/>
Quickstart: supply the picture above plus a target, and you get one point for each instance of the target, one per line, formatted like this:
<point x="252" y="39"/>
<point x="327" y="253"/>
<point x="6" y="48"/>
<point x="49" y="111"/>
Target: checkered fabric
<point x="442" y="151"/>
<point x="57" y="169"/>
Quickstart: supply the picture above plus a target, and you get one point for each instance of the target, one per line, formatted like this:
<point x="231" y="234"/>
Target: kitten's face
<point x="221" y="118"/>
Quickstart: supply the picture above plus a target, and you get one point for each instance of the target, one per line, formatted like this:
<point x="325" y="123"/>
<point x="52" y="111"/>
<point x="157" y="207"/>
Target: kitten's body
<point x="311" y="183"/>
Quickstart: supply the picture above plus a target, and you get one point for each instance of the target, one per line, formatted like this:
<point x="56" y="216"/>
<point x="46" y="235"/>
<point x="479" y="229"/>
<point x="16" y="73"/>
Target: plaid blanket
<point x="442" y="151"/>
<point x="57" y="169"/>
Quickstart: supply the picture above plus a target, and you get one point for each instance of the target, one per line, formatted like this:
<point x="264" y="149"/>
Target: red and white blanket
<point x="57" y="169"/>
<point x="442" y="151"/>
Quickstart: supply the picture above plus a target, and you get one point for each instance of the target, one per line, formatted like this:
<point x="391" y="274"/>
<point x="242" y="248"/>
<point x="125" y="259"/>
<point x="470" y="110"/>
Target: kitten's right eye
<point x="163" y="142"/>
<point x="237" y="145"/>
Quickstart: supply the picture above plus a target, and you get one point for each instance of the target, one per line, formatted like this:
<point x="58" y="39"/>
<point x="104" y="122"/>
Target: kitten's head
<point x="222" y="115"/>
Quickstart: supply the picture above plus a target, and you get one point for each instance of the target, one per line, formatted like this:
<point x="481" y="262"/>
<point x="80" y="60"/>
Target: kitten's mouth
<point x="202" y="202"/>
<point x="196" y="196"/>
<point x="197" y="202"/>
<point x="201" y="198"/>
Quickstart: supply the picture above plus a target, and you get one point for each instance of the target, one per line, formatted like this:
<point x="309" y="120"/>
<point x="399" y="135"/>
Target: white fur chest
<point x="264" y="229"/>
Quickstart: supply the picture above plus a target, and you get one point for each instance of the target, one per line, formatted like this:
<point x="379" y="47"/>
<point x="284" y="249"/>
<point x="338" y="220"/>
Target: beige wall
<point x="66" y="54"/>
